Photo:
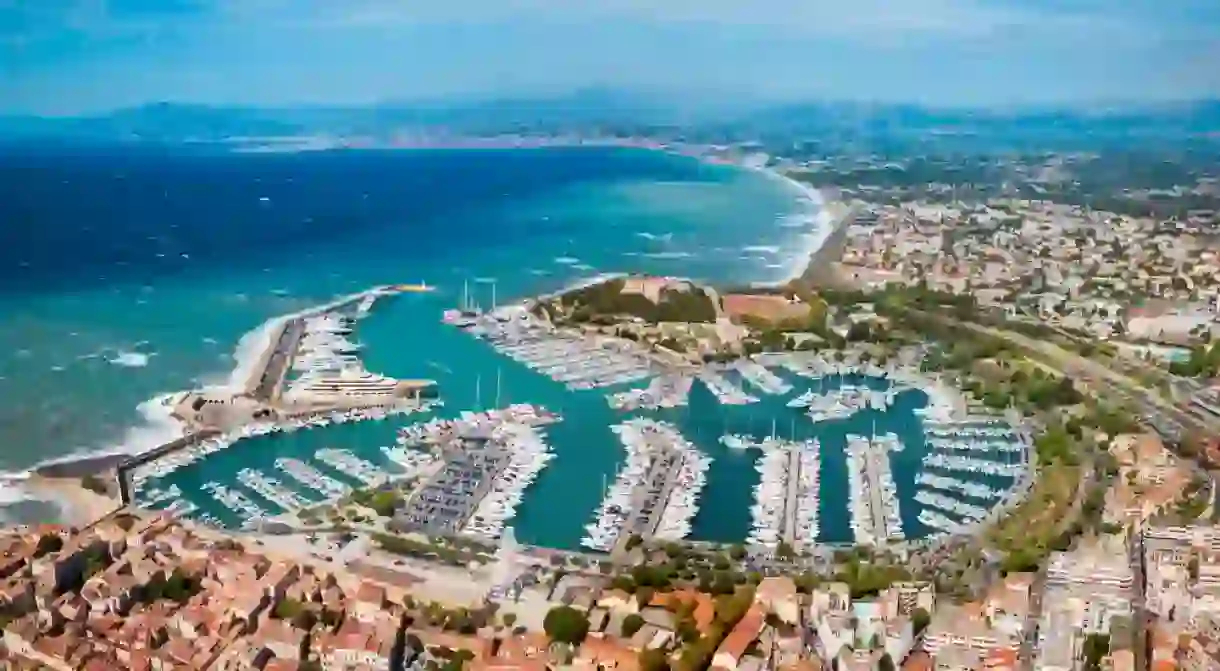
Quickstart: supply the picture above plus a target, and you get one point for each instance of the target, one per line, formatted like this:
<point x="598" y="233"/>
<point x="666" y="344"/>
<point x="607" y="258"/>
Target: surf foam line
<point x="157" y="425"/>
<point x="816" y="225"/>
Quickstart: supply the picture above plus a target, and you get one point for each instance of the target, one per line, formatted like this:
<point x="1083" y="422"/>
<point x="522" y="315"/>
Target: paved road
<point x="1030" y="639"/>
<point x="1163" y="414"/>
<point x="1139" y="604"/>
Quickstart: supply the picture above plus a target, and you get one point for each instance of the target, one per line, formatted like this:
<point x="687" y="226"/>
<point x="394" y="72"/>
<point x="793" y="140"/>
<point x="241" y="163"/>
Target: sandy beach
<point x="823" y="237"/>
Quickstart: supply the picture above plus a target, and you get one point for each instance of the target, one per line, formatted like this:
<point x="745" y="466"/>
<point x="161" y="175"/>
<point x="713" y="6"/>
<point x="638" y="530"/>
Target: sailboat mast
<point x="465" y="295"/>
<point x="497" y="387"/>
<point x="478" y="392"/>
<point x="493" y="295"/>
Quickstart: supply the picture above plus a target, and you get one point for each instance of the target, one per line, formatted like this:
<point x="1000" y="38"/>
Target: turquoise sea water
<point x="138" y="275"/>
<point x="128" y="273"/>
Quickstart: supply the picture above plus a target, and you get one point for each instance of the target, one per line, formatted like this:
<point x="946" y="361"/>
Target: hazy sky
<point x="71" y="56"/>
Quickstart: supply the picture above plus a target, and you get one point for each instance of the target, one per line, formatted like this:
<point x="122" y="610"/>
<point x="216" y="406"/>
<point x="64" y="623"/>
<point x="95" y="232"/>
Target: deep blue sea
<point x="126" y="273"/>
<point x="130" y="273"/>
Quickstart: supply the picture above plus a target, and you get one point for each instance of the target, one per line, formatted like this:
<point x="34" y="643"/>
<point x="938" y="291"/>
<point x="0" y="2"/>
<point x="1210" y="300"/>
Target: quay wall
<point x="289" y="331"/>
<point x="79" y="468"/>
<point x="660" y="466"/>
<point x="791" y="494"/>
<point x="264" y="384"/>
<point x="123" y="471"/>
<point x="272" y="362"/>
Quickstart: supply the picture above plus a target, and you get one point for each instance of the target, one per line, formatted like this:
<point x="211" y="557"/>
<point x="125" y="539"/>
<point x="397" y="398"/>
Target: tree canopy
<point x="565" y="624"/>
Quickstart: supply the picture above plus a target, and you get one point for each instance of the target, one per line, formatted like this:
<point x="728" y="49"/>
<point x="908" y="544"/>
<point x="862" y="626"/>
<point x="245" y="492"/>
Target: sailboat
<point x="773" y="440"/>
<point x="735" y="441"/>
<point x="466" y="315"/>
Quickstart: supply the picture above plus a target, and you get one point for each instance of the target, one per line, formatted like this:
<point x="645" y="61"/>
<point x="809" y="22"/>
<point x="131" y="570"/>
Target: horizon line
<point x="669" y="102"/>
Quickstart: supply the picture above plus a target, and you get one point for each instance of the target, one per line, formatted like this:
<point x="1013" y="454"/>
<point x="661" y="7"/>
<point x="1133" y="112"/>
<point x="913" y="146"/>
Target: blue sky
<point x="84" y="56"/>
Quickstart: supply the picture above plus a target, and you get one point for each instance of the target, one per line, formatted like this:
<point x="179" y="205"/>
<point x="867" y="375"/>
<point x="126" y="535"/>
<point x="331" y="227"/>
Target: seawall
<point x="123" y="470"/>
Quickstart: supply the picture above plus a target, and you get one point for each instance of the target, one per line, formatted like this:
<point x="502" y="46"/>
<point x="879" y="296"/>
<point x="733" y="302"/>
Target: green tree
<point x="631" y="624"/>
<point x="652" y="659"/>
<point x="304" y="620"/>
<point x="48" y="543"/>
<point x="1096" y="646"/>
<point x="385" y="503"/>
<point x="565" y="624"/>
<point x="920" y="619"/>
<point x="886" y="663"/>
<point x="287" y="609"/>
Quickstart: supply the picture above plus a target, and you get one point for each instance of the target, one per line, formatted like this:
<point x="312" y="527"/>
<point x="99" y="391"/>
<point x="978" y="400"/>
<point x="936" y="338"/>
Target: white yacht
<point x="736" y="441"/>
<point x="803" y="400"/>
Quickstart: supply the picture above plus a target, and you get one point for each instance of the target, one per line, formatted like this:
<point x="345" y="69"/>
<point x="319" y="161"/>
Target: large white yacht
<point x="344" y="383"/>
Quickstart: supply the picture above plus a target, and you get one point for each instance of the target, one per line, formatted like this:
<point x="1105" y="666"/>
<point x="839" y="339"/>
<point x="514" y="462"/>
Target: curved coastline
<point x="53" y="480"/>
<point x="159" y="426"/>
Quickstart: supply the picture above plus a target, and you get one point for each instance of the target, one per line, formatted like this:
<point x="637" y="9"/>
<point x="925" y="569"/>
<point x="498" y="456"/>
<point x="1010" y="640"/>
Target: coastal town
<point x="985" y="440"/>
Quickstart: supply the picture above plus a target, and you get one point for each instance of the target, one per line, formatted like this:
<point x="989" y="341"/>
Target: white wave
<point x="668" y="255"/>
<point x="484" y="280"/>
<point x="539" y="272"/>
<point x="130" y="359"/>
<point x="815" y="219"/>
<point x="663" y="237"/>
<point x="799" y="221"/>
<point x="12" y="488"/>
<point x="761" y="249"/>
<point x="584" y="267"/>
<point x="159" y="424"/>
<point x="566" y="260"/>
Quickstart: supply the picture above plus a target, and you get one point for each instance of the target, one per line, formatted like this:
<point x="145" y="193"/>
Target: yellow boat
<point x="413" y="288"/>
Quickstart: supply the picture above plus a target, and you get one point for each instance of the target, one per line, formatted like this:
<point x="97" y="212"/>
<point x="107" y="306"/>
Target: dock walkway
<point x="872" y="475"/>
<point x="791" y="495"/>
<point x="279" y="360"/>
<point x="648" y="500"/>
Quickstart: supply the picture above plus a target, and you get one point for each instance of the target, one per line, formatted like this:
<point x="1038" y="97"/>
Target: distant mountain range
<point x="614" y="113"/>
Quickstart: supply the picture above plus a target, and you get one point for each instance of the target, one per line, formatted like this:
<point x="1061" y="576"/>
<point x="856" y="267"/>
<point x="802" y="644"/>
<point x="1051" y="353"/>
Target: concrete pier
<point x="872" y="479"/>
<point x="123" y="471"/>
<point x="278" y="361"/>
<point x="791" y="494"/>
<point x="648" y="499"/>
